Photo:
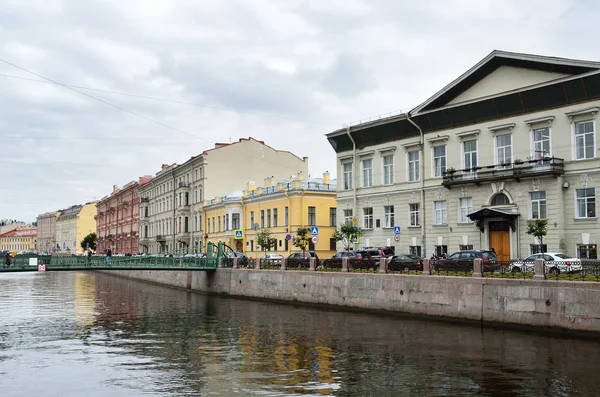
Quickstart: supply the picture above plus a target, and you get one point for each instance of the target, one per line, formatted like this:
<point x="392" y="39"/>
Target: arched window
<point x="500" y="199"/>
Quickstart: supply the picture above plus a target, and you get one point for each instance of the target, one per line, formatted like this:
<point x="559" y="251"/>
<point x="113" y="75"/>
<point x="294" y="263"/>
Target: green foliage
<point x="265" y="240"/>
<point x="301" y="238"/>
<point x="538" y="229"/>
<point x="345" y="232"/>
<point x="89" y="241"/>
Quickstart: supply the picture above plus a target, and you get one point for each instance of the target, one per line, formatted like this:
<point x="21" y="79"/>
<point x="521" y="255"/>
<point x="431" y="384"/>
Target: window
<point x="332" y="217"/>
<point x="414" y="250"/>
<point x="587" y="251"/>
<point x="285" y="216"/>
<point x="388" y="212"/>
<point x="347" y="176"/>
<point x="584" y="140"/>
<point x="312" y="216"/>
<point x="537" y="248"/>
<point x="541" y="143"/>
<point x="367" y="169"/>
<point x="274" y="217"/>
<point x="251" y="219"/>
<point x="413" y="166"/>
<point x="441" y="250"/>
<point x="414" y="214"/>
<point x="348" y="216"/>
<point x="213" y="224"/>
<point x="586" y="203"/>
<point x="465" y="247"/>
<point x="439" y="160"/>
<point x="332" y="244"/>
<point x="538" y="205"/>
<point x="268" y="218"/>
<point x="186" y="225"/>
<point x="466" y="207"/>
<point x="226" y="222"/>
<point x="235" y="221"/>
<point x="500" y="199"/>
<point x="470" y="153"/>
<point x="388" y="170"/>
<point x="440" y="212"/>
<point x="219" y="222"/>
<point x="504" y="149"/>
<point x="262" y="219"/>
<point x="368" y="218"/>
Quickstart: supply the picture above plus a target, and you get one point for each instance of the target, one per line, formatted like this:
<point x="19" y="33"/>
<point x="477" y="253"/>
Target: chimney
<point x="300" y="176"/>
<point x="326" y="178"/>
<point x="296" y="184"/>
<point x="259" y="191"/>
<point x="280" y="187"/>
<point x="268" y="181"/>
<point x="251" y="186"/>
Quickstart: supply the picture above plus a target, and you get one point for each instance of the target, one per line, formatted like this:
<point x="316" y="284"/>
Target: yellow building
<point x="281" y="208"/>
<point x="72" y="225"/>
<point x="20" y="239"/>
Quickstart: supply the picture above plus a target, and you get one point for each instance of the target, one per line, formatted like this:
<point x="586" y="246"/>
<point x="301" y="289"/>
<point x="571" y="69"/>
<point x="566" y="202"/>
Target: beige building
<point x="19" y="240"/>
<point x="46" y="229"/>
<point x="72" y="225"/>
<point x="171" y="204"/>
<point x="511" y="140"/>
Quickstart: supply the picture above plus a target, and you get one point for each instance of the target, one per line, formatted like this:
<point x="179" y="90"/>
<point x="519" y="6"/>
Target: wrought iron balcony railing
<point x="516" y="170"/>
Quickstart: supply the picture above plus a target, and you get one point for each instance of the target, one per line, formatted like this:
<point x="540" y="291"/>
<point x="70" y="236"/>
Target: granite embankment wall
<point x="559" y="305"/>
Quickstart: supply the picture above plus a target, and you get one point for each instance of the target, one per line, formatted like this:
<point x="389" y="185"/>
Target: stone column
<point x="257" y="263"/>
<point x="235" y="263"/>
<point x="538" y="266"/>
<point x="345" y="265"/>
<point x="220" y="265"/>
<point x="383" y="265"/>
<point x="426" y="267"/>
<point x="312" y="264"/>
<point x="284" y="264"/>
<point x="477" y="269"/>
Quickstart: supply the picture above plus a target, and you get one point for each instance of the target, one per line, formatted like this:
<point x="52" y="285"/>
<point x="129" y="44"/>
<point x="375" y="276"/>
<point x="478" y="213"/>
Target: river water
<point x="89" y="334"/>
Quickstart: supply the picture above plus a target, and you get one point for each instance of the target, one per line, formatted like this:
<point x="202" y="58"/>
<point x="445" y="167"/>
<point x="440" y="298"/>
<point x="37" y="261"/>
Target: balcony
<point x="517" y="170"/>
<point x="183" y="237"/>
<point x="184" y="187"/>
<point x="145" y="200"/>
<point x="160" y="238"/>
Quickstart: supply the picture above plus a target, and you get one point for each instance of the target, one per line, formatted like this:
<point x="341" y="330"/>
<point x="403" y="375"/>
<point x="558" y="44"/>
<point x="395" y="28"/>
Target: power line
<point x="164" y="99"/>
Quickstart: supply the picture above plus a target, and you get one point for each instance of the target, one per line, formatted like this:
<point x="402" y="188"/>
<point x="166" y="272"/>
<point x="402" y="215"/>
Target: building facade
<point x="117" y="220"/>
<point x="72" y="225"/>
<point x="20" y="239"/>
<point x="279" y="207"/>
<point x="46" y="231"/>
<point x="510" y="141"/>
<point x="171" y="204"/>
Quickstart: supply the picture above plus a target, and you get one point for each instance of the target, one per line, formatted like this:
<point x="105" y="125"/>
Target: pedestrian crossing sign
<point x="314" y="231"/>
<point x="354" y="239"/>
<point x="238" y="234"/>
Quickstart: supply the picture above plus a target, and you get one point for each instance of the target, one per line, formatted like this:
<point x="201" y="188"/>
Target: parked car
<point x="463" y="261"/>
<point x="305" y="255"/>
<point x="379" y="252"/>
<point x="242" y="258"/>
<point x="349" y="254"/>
<point x="405" y="262"/>
<point x="556" y="263"/>
<point x="271" y="257"/>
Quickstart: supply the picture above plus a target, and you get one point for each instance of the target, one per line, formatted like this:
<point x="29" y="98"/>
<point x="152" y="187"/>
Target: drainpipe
<point x="422" y="178"/>
<point x="354" y="165"/>
<point x="174" y="209"/>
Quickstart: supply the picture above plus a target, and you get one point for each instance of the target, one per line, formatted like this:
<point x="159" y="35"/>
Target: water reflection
<point x="122" y="337"/>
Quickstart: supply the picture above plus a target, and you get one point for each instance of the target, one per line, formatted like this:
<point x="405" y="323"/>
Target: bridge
<point x="177" y="261"/>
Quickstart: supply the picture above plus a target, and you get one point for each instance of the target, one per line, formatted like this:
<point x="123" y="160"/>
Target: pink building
<point x="118" y="219"/>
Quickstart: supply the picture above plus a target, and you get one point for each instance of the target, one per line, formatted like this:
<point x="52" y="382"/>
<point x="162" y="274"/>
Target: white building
<point x="171" y="204"/>
<point x="511" y="140"/>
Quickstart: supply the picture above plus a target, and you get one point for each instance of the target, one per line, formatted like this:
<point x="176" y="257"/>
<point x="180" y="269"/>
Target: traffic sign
<point x="397" y="229"/>
<point x="314" y="230"/>
<point x="354" y="239"/>
<point x="288" y="237"/>
<point x="315" y="239"/>
<point x="354" y="220"/>
<point x="396" y="237"/>
<point x="238" y="234"/>
<point x="41" y="267"/>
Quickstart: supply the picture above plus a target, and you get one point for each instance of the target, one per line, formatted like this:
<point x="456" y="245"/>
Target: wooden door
<point x="500" y="240"/>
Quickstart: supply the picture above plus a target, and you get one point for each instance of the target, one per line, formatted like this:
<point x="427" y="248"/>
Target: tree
<point x="345" y="233"/>
<point x="89" y="241"/>
<point x="301" y="238"/>
<point x="265" y="240"/>
<point x="538" y="229"/>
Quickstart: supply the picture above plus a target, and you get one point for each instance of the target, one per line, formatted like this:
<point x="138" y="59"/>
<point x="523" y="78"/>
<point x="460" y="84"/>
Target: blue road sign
<point x="239" y="234"/>
<point x="288" y="237"/>
<point x="314" y="230"/>
<point x="397" y="229"/>
<point x="354" y="239"/>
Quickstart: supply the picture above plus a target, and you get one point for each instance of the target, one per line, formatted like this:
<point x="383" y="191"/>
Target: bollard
<point x="220" y="265"/>
<point x="235" y="263"/>
<point x="312" y="264"/>
<point x="284" y="264"/>
<point x="345" y="264"/>
<point x="538" y="266"/>
<point x="477" y="268"/>
<point x="257" y="263"/>
<point x="383" y="265"/>
<point x="426" y="268"/>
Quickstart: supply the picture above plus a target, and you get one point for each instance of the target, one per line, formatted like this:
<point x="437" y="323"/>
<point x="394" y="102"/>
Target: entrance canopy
<point x="484" y="213"/>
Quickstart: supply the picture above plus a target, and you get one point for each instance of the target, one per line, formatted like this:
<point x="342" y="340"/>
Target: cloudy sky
<point x="286" y="72"/>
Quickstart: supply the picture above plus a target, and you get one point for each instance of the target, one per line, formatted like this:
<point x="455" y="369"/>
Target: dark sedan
<point x="404" y="262"/>
<point x="462" y="261"/>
